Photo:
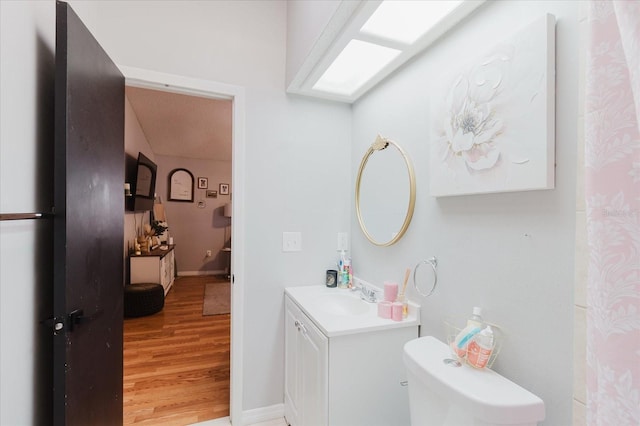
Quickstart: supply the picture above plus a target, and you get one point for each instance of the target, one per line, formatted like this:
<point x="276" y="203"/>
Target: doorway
<point x="203" y="88"/>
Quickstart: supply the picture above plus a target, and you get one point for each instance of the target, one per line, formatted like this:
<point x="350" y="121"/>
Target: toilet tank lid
<point x="485" y="393"/>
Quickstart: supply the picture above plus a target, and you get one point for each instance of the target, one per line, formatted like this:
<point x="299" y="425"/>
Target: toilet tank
<point x="442" y="394"/>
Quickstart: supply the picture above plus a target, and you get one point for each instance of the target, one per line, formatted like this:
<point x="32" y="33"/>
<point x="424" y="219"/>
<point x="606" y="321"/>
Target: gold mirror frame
<point x="378" y="145"/>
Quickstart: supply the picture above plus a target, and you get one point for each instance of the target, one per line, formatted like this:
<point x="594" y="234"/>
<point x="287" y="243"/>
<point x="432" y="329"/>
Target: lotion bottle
<point x="474" y="325"/>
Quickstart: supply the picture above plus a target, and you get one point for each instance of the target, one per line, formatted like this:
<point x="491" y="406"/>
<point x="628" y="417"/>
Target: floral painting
<point x="494" y="118"/>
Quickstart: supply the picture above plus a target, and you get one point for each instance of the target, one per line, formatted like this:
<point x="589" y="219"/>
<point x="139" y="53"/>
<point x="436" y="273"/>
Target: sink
<point x="342" y="304"/>
<point x="340" y="312"/>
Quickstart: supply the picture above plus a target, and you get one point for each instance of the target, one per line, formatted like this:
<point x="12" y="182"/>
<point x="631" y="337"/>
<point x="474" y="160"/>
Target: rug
<point x="217" y="298"/>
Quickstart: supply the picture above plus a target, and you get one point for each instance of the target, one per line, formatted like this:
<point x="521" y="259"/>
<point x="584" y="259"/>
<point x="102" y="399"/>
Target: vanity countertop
<point x="314" y="300"/>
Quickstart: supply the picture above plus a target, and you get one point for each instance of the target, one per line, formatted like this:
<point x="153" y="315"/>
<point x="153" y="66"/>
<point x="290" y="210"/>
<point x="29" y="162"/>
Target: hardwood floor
<point x="176" y="362"/>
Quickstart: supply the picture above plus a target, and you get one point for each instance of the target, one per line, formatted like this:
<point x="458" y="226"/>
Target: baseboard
<point x="264" y="414"/>
<point x="223" y="421"/>
<point x="250" y="417"/>
<point x="196" y="273"/>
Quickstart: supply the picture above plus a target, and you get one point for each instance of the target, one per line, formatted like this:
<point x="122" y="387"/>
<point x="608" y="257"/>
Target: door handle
<point x="77" y="317"/>
<point x="300" y="326"/>
<point x="25" y="216"/>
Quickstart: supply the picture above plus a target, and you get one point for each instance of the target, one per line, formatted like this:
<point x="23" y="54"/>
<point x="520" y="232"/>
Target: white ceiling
<point x="183" y="126"/>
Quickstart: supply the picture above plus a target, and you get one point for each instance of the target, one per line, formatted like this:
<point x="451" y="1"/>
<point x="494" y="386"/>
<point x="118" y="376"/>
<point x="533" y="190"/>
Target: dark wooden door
<point x="88" y="228"/>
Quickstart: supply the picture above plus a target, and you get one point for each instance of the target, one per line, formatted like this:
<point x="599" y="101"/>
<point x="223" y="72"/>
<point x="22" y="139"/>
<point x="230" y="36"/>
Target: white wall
<point x="297" y="151"/>
<point x="510" y="253"/>
<point x="27" y="43"/>
<point x="298" y="163"/>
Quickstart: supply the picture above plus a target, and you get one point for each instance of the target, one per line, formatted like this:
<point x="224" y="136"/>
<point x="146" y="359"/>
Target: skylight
<point x="354" y="66"/>
<point x="407" y="21"/>
<point x="365" y="41"/>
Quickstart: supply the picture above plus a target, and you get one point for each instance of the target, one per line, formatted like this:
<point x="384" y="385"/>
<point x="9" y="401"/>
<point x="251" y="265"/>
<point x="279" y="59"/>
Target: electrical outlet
<point x="209" y="253"/>
<point x="291" y="241"/>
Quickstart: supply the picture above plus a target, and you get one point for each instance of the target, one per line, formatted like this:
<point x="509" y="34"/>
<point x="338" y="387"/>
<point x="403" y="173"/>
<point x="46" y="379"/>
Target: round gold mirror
<point x="385" y="192"/>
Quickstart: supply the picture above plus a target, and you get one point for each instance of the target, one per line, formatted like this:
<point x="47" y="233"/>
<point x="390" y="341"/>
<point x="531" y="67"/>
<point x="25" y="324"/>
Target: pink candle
<point x="384" y="309"/>
<point x="396" y="311"/>
<point x="390" y="291"/>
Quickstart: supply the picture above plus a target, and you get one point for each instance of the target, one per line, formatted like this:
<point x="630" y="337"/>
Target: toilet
<point x="445" y="393"/>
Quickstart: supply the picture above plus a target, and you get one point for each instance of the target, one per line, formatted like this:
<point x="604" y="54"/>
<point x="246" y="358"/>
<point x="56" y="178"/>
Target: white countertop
<point x="332" y="324"/>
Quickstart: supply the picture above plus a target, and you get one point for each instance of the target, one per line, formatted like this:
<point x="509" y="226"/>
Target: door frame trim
<point x="148" y="79"/>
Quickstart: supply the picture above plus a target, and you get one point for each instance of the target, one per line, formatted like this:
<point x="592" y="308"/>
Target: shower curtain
<point x="612" y="190"/>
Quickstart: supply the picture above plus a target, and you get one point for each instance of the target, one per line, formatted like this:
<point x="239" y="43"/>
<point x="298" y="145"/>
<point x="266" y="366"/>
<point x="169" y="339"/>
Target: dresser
<point x="157" y="266"/>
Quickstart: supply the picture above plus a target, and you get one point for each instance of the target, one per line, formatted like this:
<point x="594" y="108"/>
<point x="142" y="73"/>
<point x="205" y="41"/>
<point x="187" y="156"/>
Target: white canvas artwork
<point x="494" y="125"/>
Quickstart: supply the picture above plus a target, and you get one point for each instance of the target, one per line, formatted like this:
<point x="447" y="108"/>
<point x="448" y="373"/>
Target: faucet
<point x="367" y="294"/>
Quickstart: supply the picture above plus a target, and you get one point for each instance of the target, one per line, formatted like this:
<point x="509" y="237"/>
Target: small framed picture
<point x="203" y="183"/>
<point x="224" y="189"/>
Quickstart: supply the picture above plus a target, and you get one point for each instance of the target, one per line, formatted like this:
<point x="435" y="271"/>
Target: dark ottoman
<point x="143" y="299"/>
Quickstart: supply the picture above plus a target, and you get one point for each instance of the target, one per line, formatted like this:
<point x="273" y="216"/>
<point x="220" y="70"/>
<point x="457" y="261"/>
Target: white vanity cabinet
<point x="157" y="266"/>
<point x="344" y="378"/>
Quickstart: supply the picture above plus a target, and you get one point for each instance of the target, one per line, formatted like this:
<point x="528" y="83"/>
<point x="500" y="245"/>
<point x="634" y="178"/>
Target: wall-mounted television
<point x="143" y="189"/>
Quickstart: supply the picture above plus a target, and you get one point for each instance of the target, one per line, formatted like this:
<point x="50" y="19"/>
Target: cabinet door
<point x="163" y="273"/>
<point x="314" y="351"/>
<point x="292" y="365"/>
<point x="170" y="266"/>
<point x="306" y="370"/>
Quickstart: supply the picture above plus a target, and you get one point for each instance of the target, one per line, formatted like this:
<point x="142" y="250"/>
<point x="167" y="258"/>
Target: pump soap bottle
<point x="474" y="325"/>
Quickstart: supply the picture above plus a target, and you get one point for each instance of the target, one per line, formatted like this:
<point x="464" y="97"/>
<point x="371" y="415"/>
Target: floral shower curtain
<point x="612" y="189"/>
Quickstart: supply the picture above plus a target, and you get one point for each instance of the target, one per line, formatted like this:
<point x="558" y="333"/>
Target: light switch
<point x="291" y="241"/>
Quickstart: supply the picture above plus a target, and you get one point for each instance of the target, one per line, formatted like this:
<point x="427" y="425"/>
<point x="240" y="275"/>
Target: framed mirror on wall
<point x="385" y="192"/>
<point x="181" y="184"/>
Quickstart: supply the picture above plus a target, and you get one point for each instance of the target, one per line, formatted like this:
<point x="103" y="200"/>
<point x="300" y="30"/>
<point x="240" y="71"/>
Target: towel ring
<point x="434" y="265"/>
